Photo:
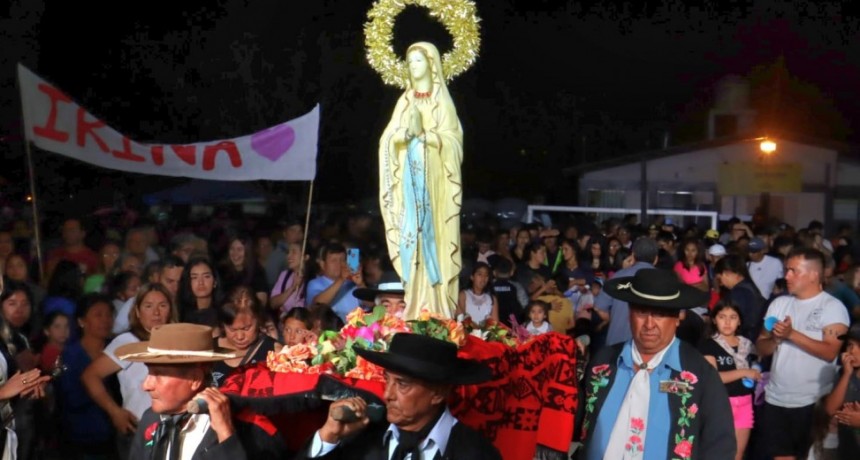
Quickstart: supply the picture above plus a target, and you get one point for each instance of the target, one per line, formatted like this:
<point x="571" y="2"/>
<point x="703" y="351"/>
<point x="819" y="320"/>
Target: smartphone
<point x="352" y="259"/>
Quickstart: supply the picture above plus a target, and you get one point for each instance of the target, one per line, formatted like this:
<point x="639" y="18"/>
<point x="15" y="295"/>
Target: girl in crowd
<point x="323" y="318"/>
<point x="56" y="335"/>
<point x="477" y="301"/>
<point x="17" y="310"/>
<point x="86" y="428"/>
<point x="577" y="274"/>
<point x="240" y="268"/>
<point x="731" y="354"/>
<point x="15" y="381"/>
<point x="518" y="253"/>
<point x="296" y="327"/>
<point x="734" y="276"/>
<point x="199" y="293"/>
<point x="596" y="257"/>
<point x="17" y="270"/>
<point x="289" y="290"/>
<point x="152" y="307"/>
<point x="691" y="268"/>
<point x="122" y="287"/>
<point x="538" y="312"/>
<point x="615" y="253"/>
<point x="108" y="255"/>
<point x="240" y="320"/>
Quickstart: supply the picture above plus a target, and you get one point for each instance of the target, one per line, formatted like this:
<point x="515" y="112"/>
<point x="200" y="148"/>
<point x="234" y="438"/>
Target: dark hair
<point x="328" y="319"/>
<point x="230" y="309"/>
<point x="538" y="303"/>
<point x="479" y="266"/>
<point x="249" y="262"/>
<point x="120" y="282"/>
<point x="700" y="254"/>
<point x="66" y="281"/>
<point x="301" y="314"/>
<point x="502" y="266"/>
<point x="809" y="254"/>
<point x="86" y="303"/>
<point x="531" y="248"/>
<point x="732" y="263"/>
<point x="331" y="248"/>
<point x="151" y="268"/>
<point x="724" y="305"/>
<point x="170" y="261"/>
<point x="185" y="295"/>
<point x="12" y="287"/>
<point x="51" y="317"/>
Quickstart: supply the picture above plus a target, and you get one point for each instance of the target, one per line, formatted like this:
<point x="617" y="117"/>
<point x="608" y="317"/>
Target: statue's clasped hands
<point x="415" y="127"/>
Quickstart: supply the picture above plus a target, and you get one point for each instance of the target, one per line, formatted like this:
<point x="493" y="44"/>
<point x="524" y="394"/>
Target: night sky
<point x="557" y="83"/>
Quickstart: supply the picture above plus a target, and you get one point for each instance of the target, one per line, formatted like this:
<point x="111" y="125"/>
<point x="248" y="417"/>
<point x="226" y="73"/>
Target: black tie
<point x="167" y="437"/>
<point x="409" y="442"/>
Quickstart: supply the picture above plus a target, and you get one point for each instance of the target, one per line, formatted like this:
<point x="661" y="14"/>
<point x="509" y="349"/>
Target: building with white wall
<point x="804" y="179"/>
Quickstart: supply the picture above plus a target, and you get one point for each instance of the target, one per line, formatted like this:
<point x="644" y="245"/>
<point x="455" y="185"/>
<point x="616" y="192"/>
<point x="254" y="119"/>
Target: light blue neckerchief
<point x="417" y="219"/>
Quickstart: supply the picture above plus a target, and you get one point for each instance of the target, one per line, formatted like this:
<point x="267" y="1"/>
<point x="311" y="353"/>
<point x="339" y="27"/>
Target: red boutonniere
<point x="149" y="434"/>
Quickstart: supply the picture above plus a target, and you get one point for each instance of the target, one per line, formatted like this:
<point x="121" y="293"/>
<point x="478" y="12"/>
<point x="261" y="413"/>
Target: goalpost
<point x="712" y="215"/>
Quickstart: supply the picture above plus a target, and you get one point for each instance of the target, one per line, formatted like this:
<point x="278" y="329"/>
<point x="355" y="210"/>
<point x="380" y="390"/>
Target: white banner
<point x="53" y="121"/>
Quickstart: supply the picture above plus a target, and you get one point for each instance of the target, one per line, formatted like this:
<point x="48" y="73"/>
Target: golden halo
<point x="458" y="16"/>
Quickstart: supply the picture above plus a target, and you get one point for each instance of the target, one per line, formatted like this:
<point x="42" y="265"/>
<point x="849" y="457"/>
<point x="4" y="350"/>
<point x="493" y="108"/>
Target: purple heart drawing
<point x="274" y="142"/>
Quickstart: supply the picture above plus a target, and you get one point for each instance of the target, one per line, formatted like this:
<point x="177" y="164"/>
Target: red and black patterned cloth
<point x="531" y="402"/>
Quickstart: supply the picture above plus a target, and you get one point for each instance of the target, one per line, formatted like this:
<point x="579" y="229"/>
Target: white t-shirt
<point x="797" y="378"/>
<point x="542" y="329"/>
<point x="121" y="321"/>
<point x="765" y="273"/>
<point x="131" y="376"/>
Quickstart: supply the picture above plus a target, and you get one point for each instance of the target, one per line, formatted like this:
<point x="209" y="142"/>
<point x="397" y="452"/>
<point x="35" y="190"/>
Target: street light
<point x="767" y="146"/>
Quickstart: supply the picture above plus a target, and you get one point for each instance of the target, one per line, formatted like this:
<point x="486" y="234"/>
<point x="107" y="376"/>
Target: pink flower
<point x="684" y="449"/>
<point x="599" y="369"/>
<point x="637" y="424"/>
<point x="694" y="409"/>
<point x="627" y="447"/>
<point x="635" y="440"/>
<point x="365" y="333"/>
<point x="689" y="377"/>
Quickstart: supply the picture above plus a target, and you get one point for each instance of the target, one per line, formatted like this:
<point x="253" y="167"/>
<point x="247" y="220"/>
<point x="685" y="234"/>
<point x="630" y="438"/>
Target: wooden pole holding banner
<point x="37" y="232"/>
<point x="305" y="231"/>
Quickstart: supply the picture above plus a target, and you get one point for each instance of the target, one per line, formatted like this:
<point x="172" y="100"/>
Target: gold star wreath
<point x="458" y="16"/>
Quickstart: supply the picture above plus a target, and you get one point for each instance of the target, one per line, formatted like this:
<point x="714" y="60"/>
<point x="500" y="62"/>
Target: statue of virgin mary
<point x="420" y="154"/>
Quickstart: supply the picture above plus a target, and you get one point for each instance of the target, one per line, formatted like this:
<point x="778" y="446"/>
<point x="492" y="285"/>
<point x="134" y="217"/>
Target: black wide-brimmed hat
<point x="656" y="288"/>
<point x="428" y="359"/>
<point x="389" y="283"/>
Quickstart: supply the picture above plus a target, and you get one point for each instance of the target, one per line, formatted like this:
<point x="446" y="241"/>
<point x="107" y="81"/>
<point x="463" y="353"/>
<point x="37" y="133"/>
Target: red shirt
<point x="85" y="257"/>
<point x="49" y="357"/>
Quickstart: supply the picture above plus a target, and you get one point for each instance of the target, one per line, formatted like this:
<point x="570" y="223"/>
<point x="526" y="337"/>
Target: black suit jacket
<point x="209" y="448"/>
<point x="463" y="444"/>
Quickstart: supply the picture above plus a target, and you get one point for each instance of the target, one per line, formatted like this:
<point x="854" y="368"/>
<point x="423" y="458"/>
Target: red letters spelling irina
<point x="50" y="131"/>
<point x="186" y="153"/>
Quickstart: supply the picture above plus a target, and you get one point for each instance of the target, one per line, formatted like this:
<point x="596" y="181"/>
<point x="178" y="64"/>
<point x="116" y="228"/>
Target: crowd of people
<point x="769" y="308"/>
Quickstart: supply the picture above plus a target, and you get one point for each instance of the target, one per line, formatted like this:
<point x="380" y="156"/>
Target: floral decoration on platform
<point x="334" y="351"/>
